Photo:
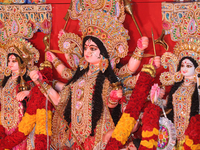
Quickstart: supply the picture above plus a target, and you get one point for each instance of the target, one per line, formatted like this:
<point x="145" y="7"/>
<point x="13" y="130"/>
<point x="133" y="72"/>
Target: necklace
<point x="14" y="74"/>
<point x="188" y="81"/>
<point x="93" y="69"/>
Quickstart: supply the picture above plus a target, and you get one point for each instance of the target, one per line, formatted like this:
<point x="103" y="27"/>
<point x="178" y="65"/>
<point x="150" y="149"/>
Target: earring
<point x="7" y="71"/>
<point x="22" y="72"/>
<point x="103" y="64"/>
<point x="178" y="77"/>
<point x="83" y="64"/>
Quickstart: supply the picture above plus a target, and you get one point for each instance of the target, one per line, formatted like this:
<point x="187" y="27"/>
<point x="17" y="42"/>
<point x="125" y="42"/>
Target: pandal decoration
<point x="181" y="20"/>
<point x="22" y="1"/>
<point x="99" y="24"/>
<point x="113" y="7"/>
<point x="24" y="20"/>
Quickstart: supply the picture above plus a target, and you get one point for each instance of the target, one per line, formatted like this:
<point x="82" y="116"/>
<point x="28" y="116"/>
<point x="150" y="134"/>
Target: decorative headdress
<point x="188" y="47"/>
<point x="107" y="29"/>
<point x="26" y="50"/>
<point x="181" y="21"/>
<point x="99" y="24"/>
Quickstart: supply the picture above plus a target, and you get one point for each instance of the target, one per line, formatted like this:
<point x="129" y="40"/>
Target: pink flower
<point x="61" y="33"/>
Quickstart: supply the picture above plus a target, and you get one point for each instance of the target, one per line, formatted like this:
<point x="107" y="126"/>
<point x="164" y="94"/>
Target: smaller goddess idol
<point x="183" y="98"/>
<point x="25" y="112"/>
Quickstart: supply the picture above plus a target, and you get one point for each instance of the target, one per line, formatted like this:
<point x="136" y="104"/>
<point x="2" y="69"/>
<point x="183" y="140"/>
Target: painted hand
<point x="21" y="95"/>
<point x="156" y="62"/>
<point x="50" y="56"/>
<point x="143" y="43"/>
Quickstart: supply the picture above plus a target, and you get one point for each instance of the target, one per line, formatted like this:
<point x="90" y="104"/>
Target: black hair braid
<point x="97" y="101"/>
<point x="194" y="103"/>
<point x="67" y="111"/>
<point x="170" y="99"/>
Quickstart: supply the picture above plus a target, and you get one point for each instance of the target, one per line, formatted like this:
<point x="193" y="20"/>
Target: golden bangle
<point x="138" y="54"/>
<point x="45" y="87"/>
<point x="56" y="62"/>
<point x="54" y="83"/>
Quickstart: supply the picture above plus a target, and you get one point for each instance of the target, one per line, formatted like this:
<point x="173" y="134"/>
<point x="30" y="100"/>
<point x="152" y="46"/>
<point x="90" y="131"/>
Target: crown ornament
<point x="24" y="49"/>
<point x="106" y="28"/>
<point x="188" y="47"/>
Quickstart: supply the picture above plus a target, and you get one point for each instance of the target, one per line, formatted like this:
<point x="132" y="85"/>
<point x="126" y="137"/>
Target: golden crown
<point x="188" y="47"/>
<point x="106" y="28"/>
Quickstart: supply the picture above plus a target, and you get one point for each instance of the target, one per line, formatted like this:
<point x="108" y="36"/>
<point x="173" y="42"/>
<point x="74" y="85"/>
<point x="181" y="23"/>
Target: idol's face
<point x="187" y="68"/>
<point x="91" y="52"/>
<point x="13" y="63"/>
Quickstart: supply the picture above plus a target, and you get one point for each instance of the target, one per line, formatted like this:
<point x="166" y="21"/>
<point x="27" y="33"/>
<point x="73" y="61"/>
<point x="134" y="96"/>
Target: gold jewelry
<point x="116" y="86"/>
<point x="45" y="86"/>
<point x="56" y="62"/>
<point x="83" y="64"/>
<point x="188" y="47"/>
<point x="67" y="74"/>
<point x="197" y="70"/>
<point x="54" y="83"/>
<point x="7" y="71"/>
<point x="138" y="54"/>
<point x="107" y="29"/>
<point x="178" y="77"/>
<point x="103" y="64"/>
<point x="124" y="71"/>
<point x="150" y="69"/>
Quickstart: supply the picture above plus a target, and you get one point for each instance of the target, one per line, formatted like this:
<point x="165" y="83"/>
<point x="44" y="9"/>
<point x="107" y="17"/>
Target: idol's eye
<point x="189" y="66"/>
<point x="182" y="65"/>
<point x="93" y="48"/>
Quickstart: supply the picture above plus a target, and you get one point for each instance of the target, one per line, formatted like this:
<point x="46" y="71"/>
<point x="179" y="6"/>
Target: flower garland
<point x="2" y="129"/>
<point x="133" y="109"/>
<point x="192" y="134"/>
<point x="150" y="128"/>
<point x="36" y="107"/>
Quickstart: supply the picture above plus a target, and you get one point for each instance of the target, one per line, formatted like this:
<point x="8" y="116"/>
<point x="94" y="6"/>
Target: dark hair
<point x="195" y="98"/>
<point x="136" y="142"/>
<point x="97" y="102"/>
<point x="25" y="77"/>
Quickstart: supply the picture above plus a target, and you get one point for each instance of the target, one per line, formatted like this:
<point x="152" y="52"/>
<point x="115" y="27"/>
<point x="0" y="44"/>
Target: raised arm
<point x="136" y="58"/>
<point x="62" y="70"/>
